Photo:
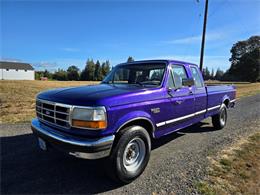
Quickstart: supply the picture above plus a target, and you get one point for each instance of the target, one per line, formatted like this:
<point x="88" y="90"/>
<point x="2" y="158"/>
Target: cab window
<point x="196" y="76"/>
<point x="177" y="73"/>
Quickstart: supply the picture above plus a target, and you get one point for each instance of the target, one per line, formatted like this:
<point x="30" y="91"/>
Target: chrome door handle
<point x="178" y="101"/>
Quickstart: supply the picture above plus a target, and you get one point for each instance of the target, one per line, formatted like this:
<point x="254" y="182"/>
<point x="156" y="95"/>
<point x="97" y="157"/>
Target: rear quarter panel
<point x="217" y="94"/>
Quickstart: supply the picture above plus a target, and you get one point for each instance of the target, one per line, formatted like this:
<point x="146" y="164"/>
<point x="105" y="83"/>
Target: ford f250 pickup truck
<point x="135" y="103"/>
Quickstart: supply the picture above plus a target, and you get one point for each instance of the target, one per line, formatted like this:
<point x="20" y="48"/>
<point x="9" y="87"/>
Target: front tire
<point x="219" y="120"/>
<point x="130" y="155"/>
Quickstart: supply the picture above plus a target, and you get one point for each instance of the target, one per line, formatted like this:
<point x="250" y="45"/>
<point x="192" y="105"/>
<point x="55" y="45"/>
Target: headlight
<point x="92" y="118"/>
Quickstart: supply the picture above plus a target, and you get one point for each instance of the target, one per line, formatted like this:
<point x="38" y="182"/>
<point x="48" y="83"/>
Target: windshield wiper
<point x="139" y="83"/>
<point x="105" y="82"/>
<point x="150" y="83"/>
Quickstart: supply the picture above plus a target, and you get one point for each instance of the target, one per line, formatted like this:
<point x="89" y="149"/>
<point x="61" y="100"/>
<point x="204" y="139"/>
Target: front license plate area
<point x="42" y="144"/>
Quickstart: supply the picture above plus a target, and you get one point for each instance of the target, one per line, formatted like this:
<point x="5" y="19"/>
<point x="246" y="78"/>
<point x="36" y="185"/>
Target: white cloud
<point x="10" y="60"/>
<point x="51" y="66"/>
<point x="214" y="36"/>
<point x="70" y="49"/>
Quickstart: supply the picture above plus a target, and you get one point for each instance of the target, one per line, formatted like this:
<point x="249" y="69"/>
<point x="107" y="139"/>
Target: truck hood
<point x="103" y="94"/>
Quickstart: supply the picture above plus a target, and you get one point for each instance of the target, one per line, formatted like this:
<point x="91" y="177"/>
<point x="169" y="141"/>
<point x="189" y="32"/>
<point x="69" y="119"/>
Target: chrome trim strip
<point x="180" y="118"/>
<point x="160" y="124"/>
<point x="233" y="100"/>
<point x="213" y="108"/>
<point x="200" y="112"/>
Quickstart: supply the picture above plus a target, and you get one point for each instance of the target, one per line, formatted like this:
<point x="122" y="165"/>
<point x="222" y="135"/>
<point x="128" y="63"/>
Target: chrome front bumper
<point x="76" y="146"/>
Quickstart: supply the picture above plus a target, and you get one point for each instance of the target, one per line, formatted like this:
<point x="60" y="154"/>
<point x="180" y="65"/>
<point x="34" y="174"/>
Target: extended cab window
<point x="177" y="74"/>
<point x="196" y="77"/>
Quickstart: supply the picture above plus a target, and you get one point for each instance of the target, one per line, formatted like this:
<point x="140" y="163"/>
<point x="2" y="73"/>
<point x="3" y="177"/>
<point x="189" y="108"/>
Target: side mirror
<point x="187" y="82"/>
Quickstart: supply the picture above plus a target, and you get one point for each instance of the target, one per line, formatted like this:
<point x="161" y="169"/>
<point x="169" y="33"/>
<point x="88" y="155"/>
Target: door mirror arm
<point x="169" y="90"/>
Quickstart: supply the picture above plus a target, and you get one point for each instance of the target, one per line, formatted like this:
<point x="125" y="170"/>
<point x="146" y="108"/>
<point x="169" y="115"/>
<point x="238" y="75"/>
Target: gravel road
<point x="177" y="161"/>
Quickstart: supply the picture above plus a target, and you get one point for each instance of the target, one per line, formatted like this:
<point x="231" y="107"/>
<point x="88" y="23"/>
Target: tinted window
<point x="196" y="77"/>
<point x="178" y="73"/>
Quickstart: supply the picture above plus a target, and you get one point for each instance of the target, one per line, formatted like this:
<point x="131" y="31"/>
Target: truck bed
<point x="218" y="93"/>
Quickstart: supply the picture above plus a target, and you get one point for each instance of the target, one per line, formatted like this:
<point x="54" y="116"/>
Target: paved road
<point x="177" y="161"/>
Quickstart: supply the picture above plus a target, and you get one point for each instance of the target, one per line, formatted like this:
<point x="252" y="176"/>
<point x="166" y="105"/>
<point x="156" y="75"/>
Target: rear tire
<point x="219" y="120"/>
<point x="130" y="154"/>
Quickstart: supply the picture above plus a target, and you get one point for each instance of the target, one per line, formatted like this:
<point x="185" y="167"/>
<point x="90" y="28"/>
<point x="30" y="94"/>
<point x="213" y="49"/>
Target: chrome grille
<point x="54" y="113"/>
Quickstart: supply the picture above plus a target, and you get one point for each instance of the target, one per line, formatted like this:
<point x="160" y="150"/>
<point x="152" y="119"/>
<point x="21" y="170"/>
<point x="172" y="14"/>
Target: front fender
<point x="132" y="116"/>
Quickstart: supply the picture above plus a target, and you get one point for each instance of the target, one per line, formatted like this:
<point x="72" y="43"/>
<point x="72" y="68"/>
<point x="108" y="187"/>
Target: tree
<point x="105" y="69"/>
<point x="73" y="73"/>
<point x="245" y="61"/>
<point x="45" y="73"/>
<point x="60" y="75"/>
<point x="88" y="72"/>
<point x="212" y="74"/>
<point x="38" y="75"/>
<point x="130" y="59"/>
<point x="83" y="74"/>
<point x="97" y="76"/>
<point x="206" y="73"/>
<point x="219" y="74"/>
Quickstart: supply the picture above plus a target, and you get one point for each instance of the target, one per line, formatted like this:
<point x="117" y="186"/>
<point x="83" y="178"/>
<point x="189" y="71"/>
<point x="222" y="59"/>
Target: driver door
<point x="181" y="97"/>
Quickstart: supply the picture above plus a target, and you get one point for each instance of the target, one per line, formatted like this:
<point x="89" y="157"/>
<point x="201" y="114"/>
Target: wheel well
<point x="226" y="102"/>
<point x="140" y="122"/>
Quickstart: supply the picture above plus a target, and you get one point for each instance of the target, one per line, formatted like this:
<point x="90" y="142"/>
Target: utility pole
<point x="203" y="34"/>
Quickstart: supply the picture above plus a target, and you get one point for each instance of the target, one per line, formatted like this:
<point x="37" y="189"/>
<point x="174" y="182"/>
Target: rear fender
<point x="225" y="99"/>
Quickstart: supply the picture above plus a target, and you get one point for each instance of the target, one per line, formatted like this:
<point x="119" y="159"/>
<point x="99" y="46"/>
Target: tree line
<point x="93" y="71"/>
<point x="212" y="75"/>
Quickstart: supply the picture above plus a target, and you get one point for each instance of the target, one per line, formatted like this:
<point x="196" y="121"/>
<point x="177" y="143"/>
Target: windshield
<point x="137" y="74"/>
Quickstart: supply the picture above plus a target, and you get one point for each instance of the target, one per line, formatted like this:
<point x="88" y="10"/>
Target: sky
<point x="56" y="34"/>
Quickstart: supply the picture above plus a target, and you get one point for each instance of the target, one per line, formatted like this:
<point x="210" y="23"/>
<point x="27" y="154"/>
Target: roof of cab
<point x="158" y="61"/>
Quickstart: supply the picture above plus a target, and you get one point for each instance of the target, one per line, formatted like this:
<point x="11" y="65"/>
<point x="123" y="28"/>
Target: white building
<point x="16" y="71"/>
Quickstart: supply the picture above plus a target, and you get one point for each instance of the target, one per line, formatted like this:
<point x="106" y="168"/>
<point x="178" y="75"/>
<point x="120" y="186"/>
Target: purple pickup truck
<point x="135" y="103"/>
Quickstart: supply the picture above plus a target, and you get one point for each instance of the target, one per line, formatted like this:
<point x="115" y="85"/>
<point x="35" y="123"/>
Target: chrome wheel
<point x="223" y="117"/>
<point x="134" y="154"/>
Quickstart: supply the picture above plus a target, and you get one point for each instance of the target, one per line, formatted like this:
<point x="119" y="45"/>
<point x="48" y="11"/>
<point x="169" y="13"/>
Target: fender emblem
<point x="155" y="110"/>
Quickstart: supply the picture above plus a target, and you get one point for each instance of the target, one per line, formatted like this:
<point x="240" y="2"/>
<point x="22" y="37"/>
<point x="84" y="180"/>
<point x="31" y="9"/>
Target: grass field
<point x="17" y="98"/>
<point x="235" y="170"/>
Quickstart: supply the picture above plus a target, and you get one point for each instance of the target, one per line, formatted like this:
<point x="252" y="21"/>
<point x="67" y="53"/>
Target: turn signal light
<point x="89" y="124"/>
